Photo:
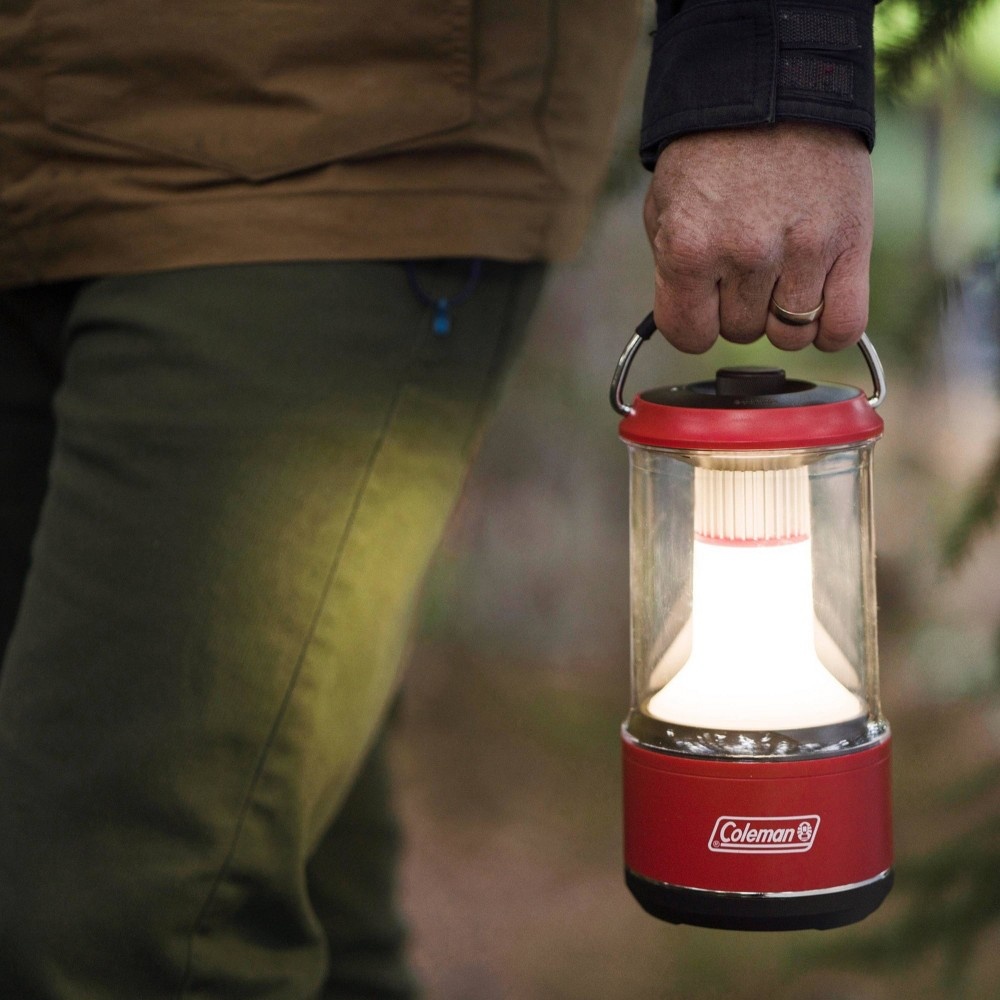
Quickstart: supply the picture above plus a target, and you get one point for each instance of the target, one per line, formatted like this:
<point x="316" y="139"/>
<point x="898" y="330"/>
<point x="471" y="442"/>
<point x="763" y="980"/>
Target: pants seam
<point x="262" y="760"/>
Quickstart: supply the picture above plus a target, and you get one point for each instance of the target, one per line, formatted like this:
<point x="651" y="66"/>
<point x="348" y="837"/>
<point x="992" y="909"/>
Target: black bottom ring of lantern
<point x="748" y="912"/>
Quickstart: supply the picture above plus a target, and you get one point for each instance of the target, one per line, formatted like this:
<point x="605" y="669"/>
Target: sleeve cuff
<point x="727" y="63"/>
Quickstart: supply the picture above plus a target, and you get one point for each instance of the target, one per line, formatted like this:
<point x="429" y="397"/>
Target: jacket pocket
<point x="257" y="88"/>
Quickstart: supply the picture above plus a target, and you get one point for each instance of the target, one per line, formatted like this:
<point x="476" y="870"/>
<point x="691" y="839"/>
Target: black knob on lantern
<point x="750" y="380"/>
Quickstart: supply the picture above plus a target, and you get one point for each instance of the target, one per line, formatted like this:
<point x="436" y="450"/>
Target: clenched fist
<point x="737" y="216"/>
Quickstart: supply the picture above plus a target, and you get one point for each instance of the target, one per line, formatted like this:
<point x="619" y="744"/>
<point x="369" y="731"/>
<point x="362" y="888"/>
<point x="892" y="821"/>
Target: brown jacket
<point x="138" y="135"/>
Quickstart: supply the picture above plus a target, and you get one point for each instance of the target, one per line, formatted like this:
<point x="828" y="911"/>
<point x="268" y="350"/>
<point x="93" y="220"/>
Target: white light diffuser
<point x="753" y="664"/>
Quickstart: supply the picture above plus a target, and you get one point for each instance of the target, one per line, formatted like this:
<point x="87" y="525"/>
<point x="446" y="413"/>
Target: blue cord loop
<point x="442" y="321"/>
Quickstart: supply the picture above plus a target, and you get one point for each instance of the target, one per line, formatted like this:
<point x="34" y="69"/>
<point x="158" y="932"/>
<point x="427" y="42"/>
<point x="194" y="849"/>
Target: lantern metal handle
<point x="647" y="328"/>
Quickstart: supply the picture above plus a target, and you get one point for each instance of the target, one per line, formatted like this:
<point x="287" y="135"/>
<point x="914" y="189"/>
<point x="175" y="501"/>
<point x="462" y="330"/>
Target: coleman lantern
<point x="756" y="756"/>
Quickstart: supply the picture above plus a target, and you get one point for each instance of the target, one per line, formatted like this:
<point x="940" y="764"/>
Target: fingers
<point x="843" y="294"/>
<point x="845" y="314"/>
<point x="687" y="312"/>
<point x="707" y="288"/>
<point x="693" y="313"/>
<point x="686" y="293"/>
<point x="744" y="295"/>
<point x="693" y="309"/>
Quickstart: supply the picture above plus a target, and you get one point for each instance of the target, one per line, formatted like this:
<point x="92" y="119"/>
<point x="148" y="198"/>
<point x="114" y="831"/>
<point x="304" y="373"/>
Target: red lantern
<point x="756" y="756"/>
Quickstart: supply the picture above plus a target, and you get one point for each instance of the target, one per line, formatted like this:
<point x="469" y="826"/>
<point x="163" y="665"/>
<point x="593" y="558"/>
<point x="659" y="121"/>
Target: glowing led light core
<point x="753" y="663"/>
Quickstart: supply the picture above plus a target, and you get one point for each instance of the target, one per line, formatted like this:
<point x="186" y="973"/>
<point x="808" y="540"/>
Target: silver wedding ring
<point x="796" y="319"/>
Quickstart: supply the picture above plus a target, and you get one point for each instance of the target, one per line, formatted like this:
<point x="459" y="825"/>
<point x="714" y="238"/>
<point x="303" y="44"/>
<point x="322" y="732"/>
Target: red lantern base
<point x="758" y="844"/>
<point x="766" y="912"/>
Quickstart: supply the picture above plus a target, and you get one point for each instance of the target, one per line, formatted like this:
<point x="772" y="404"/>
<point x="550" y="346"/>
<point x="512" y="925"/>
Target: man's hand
<point x="738" y="215"/>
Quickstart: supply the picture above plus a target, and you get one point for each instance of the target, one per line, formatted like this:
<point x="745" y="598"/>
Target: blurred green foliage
<point x="911" y="34"/>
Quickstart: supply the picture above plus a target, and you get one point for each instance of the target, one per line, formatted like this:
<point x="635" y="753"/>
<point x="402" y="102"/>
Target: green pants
<point x="219" y="491"/>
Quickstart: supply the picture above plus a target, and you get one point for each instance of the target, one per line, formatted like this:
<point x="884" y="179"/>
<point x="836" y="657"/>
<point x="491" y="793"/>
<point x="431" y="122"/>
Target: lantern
<point x="755" y="754"/>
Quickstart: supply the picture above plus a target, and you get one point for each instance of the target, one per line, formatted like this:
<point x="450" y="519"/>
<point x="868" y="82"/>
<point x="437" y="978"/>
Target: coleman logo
<point x="763" y="834"/>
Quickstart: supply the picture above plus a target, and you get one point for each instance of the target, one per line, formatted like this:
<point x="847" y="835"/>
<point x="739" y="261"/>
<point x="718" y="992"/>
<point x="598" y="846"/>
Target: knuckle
<point x="851" y="235"/>
<point x="751" y="251"/>
<point x="683" y="249"/>
<point x="803" y="240"/>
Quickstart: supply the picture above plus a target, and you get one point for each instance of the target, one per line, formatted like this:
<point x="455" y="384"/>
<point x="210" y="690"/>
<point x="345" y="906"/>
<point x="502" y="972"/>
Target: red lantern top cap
<point x="748" y="408"/>
<point x="744" y="409"/>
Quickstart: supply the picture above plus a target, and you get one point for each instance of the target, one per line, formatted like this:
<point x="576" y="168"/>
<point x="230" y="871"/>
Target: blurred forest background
<point x="505" y="747"/>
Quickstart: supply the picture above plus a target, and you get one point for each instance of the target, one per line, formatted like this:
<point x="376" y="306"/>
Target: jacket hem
<point x="378" y="226"/>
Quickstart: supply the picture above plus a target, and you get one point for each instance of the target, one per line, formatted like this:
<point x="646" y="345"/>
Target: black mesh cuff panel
<point x="726" y="63"/>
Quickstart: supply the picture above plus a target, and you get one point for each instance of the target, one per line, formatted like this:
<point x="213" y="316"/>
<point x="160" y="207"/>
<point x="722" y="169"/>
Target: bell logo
<point x="763" y="834"/>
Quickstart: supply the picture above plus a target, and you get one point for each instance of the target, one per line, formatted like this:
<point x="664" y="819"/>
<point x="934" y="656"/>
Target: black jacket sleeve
<point x="726" y="63"/>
